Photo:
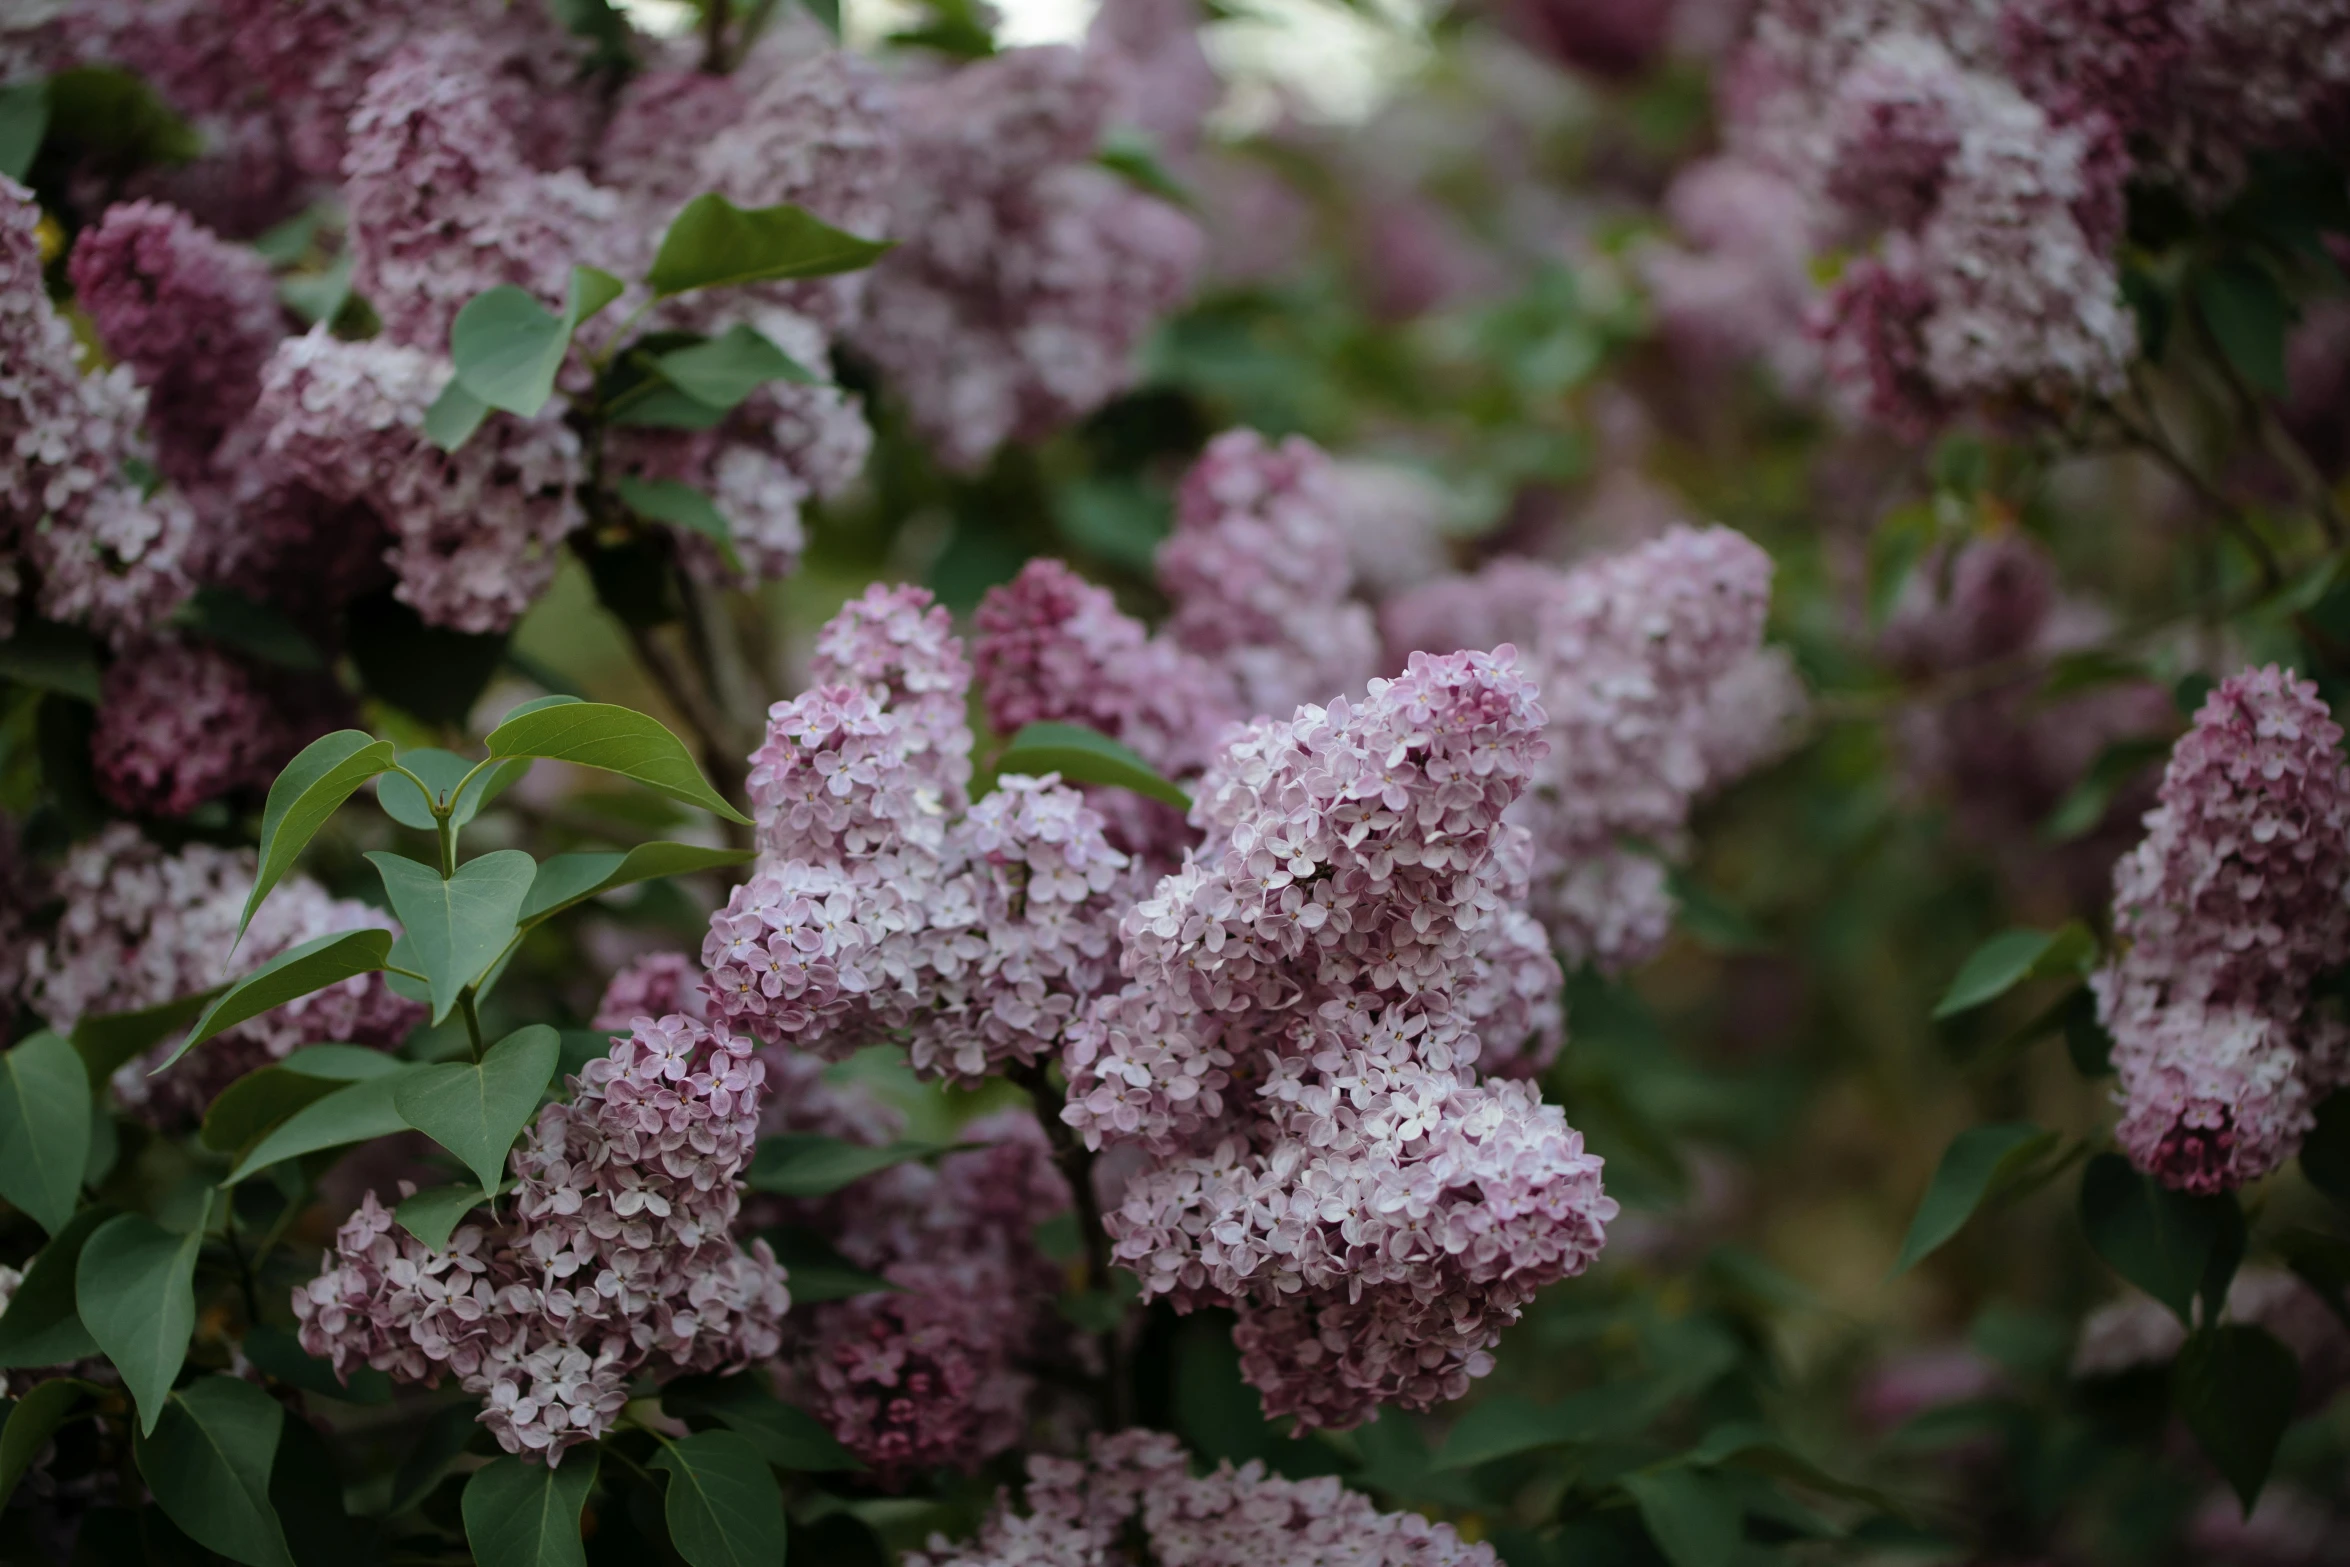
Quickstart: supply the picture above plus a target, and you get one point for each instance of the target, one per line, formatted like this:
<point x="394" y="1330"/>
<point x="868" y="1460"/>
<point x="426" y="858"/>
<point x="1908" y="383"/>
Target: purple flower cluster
<point x="617" y="1259"/>
<point x="655" y="985"/>
<point x="1259" y="574"/>
<point x="1297" y="1042"/>
<point x="883" y="901"/>
<point x="1026" y="273"/>
<point x="76" y="529"/>
<point x="941" y="1371"/>
<point x="142" y="927"/>
<point x="2225" y="915"/>
<point x="1134" y="1499"/>
<point x="182" y="722"/>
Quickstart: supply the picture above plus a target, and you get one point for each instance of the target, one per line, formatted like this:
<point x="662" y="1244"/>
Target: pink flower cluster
<point x="1134" y="1499"/>
<point x="142" y="927"/>
<point x="78" y="532"/>
<point x="1297" y="1043"/>
<point x="182" y="722"/>
<point x="2225" y="915"/>
<point x="617" y="1258"/>
<point x="940" y="1372"/>
<point x="883" y="900"/>
<point x="1026" y="273"/>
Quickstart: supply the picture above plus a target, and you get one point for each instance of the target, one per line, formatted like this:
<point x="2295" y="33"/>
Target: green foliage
<point x="50" y="657"/>
<point x="722" y="1505"/>
<point x="2247" y="315"/>
<point x="2010" y="958"/>
<point x="312" y="787"/>
<point x="297" y="971"/>
<point x="135" y="1287"/>
<point x="1082" y="755"/>
<point x="257" y="1102"/>
<point x="1978" y="1163"/>
<point x="2167" y="1243"/>
<point x="615" y="740"/>
<point x="2235" y="1386"/>
<point x="527" y="1514"/>
<point x="683" y="506"/>
<point x="728" y="368"/>
<point x="24" y="120"/>
<point x="41" y="1326"/>
<point x="32" y="1420"/>
<point x="107" y="1040"/>
<point x="568" y="880"/>
<point x="431" y="1214"/>
<point x="803" y="1164"/>
<point x="456" y="926"/>
<point x="476" y="1109"/>
<point x="354" y="1113"/>
<point x="712" y="243"/>
<point x="207" y="1459"/>
<point x="229" y="618"/>
<point x="44" y="1128"/>
<point x="1691" y="1515"/>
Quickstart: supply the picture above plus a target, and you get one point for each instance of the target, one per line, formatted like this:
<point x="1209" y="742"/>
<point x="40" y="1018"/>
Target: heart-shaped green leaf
<point x="682" y="506"/>
<point x="527" y="1515"/>
<point x="451" y="778"/>
<point x="723" y="1506"/>
<point x="730" y="367"/>
<point x="297" y="971"/>
<point x="135" y="1290"/>
<point x="2235" y="1385"/>
<point x="430" y="1215"/>
<point x="31" y="1423"/>
<point x="1979" y="1161"/>
<point x="475" y="1109"/>
<point x="446" y="1435"/>
<point x="713" y="243"/>
<point x="454" y="416"/>
<point x="41" y="1327"/>
<point x="44" y="1128"/>
<point x="569" y="879"/>
<point x="312" y="788"/>
<point x="1086" y="756"/>
<point x="803" y="1164"/>
<point x="456" y="928"/>
<point x="613" y="740"/>
<point x="507" y="348"/>
<point x="1691" y="1516"/>
<point x="592" y="288"/>
<point x="207" y="1462"/>
<point x="355" y="1113"/>
<point x="2010" y="958"/>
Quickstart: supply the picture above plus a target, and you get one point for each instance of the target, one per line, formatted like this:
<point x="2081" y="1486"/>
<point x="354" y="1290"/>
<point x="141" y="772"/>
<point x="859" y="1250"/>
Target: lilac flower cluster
<point x="1027" y="273"/>
<point x="76" y="529"/>
<point x="1134" y="1499"/>
<point x="2225" y="915"/>
<point x="1296" y="1046"/>
<point x="618" y="1257"/>
<point x="182" y="722"/>
<point x="142" y="927"/>
<point x="941" y="1371"/>
<point x="884" y="901"/>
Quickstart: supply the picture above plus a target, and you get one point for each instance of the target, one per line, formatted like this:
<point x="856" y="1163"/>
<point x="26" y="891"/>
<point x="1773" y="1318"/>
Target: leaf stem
<point x="1076" y="1165"/>
<point x="472" y="1021"/>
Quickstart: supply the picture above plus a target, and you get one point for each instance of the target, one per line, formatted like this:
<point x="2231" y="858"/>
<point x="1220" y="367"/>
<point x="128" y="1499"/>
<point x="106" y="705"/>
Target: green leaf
<point x="2248" y="315"/>
<point x="2160" y="1240"/>
<point x="445" y="1435"/>
<point x="2085" y="806"/>
<point x="450" y="777"/>
<point x="135" y="1289"/>
<point x="803" y="1164"/>
<point x="475" y="1110"/>
<point x="44" y="1128"/>
<point x="342" y="1063"/>
<point x="2010" y="958"/>
<point x="713" y="243"/>
<point x="50" y="657"/>
<point x="1506" y="1425"/>
<point x="258" y="1101"/>
<point x="314" y="965"/>
<point x="454" y="416"/>
<point x="357" y="1113"/>
<point x="507" y="348"/>
<point x="527" y="1515"/>
<point x="666" y="408"/>
<point x="255" y="629"/>
<point x="207" y="1461"/>
<point x="819" y="1272"/>
<point x="32" y="1421"/>
<point x="41" y="1327"/>
<point x="1134" y="154"/>
<point x="430" y="1215"/>
<point x="786" y="1437"/>
<point x="723" y="1506"/>
<point x="318" y="297"/>
<point x="1979" y="1161"/>
<point x="24" y="121"/>
<point x="1690" y="1516"/>
<point x="730" y="367"/>
<point x="312" y="788"/>
<point x="566" y="880"/>
<point x="1085" y="756"/>
<point x="592" y="288"/>
<point x="2325" y="1153"/>
<point x="107" y="1040"/>
<point x="614" y="740"/>
<point x="2236" y="1386"/>
<point x="282" y="1356"/>
<point x="458" y="927"/>
<point x="683" y="506"/>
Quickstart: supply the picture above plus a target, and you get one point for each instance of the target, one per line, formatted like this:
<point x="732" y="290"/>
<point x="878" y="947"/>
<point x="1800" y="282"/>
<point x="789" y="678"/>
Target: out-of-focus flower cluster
<point x="141" y="927"/>
<point x="1297" y="1042"/>
<point x="2224" y="915"/>
<point x="616" y="1257"/>
<point x="885" y="899"/>
<point x="1134" y="1499"/>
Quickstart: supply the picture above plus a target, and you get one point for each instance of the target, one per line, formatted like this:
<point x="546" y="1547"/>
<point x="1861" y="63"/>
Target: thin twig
<point x="714" y="37"/>
<point x="2151" y="438"/>
<point x="1076" y="1165"/>
<point x="727" y="769"/>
